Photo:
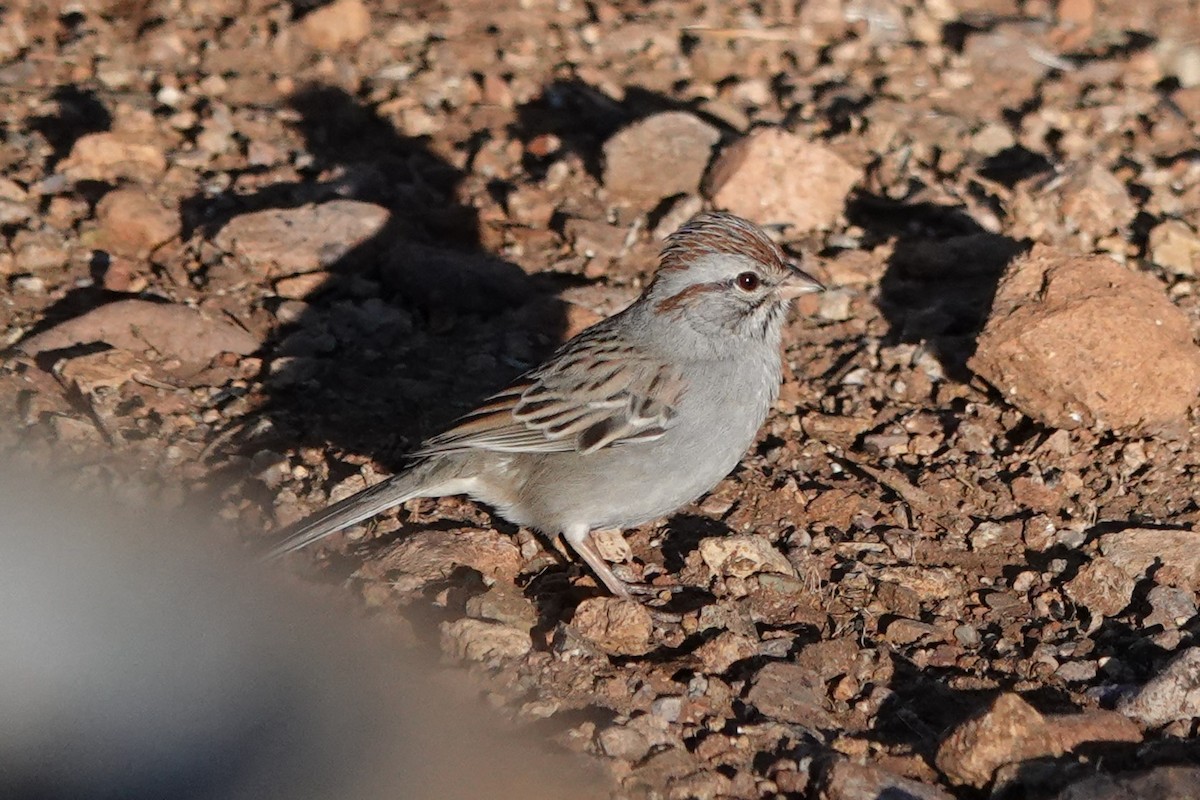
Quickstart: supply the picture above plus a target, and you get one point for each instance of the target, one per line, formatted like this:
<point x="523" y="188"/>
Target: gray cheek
<point x="722" y="313"/>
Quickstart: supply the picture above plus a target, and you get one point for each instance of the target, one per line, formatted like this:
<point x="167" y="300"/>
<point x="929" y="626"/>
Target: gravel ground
<point x="255" y="251"/>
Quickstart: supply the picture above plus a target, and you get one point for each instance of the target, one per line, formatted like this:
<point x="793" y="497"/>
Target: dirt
<point x="335" y="226"/>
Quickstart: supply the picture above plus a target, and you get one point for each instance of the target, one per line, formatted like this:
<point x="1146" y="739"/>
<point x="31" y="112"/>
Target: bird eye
<point x="749" y="281"/>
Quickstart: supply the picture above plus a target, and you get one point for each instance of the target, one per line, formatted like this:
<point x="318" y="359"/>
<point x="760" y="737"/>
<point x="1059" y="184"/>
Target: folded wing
<point x="596" y="392"/>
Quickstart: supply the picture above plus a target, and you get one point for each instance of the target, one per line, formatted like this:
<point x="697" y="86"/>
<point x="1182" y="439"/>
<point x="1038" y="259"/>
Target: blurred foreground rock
<point x="142" y="661"/>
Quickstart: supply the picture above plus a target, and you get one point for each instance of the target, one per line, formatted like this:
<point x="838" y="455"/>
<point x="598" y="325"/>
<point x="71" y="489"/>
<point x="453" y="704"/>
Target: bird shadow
<point x="408" y="328"/>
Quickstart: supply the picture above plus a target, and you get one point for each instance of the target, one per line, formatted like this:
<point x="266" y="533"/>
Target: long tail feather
<point x="352" y="510"/>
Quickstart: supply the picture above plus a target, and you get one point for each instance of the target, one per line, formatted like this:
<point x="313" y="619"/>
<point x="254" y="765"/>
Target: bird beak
<point x="799" y="282"/>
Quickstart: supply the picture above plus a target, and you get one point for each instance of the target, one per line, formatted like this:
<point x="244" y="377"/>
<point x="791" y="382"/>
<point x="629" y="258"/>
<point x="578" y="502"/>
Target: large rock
<point x="1176" y="552"/>
<point x="431" y="556"/>
<point x="1082" y="341"/>
<point x="1105" y="585"/>
<point x="743" y="555"/>
<point x="479" y="640"/>
<point x="792" y="693"/>
<point x="658" y="157"/>
<point x="1103" y="588"/>
<point x="724" y="650"/>
<point x="773" y="176"/>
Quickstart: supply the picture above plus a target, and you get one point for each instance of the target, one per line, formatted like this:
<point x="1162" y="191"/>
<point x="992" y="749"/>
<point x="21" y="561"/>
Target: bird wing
<point x="596" y="392"/>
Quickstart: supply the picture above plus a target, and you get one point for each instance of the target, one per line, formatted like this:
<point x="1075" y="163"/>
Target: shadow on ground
<point x="583" y="118"/>
<point x="942" y="275"/>
<point x="412" y="326"/>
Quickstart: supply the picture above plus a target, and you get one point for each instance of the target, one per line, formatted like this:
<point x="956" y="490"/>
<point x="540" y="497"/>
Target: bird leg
<point x="580" y="539"/>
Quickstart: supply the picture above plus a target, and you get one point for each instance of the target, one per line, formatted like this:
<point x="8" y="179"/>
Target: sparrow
<point x="630" y="420"/>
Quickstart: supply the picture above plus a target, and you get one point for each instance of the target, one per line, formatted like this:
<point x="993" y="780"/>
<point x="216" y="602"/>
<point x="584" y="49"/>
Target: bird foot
<point x="648" y="590"/>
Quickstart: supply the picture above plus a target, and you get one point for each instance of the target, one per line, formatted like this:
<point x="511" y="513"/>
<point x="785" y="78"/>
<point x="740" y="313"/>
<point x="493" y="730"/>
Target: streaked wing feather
<point x="620" y="396"/>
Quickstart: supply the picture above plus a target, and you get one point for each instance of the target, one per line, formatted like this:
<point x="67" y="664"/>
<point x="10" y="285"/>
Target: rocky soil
<point x="254" y="251"/>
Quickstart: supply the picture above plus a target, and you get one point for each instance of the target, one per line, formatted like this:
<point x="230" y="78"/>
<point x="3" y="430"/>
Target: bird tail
<point x="352" y="510"/>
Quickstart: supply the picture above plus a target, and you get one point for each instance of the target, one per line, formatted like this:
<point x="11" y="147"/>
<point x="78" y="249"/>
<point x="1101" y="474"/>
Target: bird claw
<point x="644" y="592"/>
<point x="664" y="617"/>
<point x="645" y="589"/>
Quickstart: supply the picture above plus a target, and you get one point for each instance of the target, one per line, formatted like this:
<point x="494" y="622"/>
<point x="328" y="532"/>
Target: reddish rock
<point x="772" y="176"/>
<point x="720" y="653"/>
<point x="429" y="556"/>
<point x="332" y="27"/>
<point x="1102" y="588"/>
<point x="1087" y="203"/>
<point x="297" y="287"/>
<point x="615" y="625"/>
<point x="105" y="369"/>
<point x="846" y="780"/>
<point x="479" y="640"/>
<point x="1094" y="200"/>
<point x="113" y="156"/>
<point x="38" y="251"/>
<point x="792" y="693"/>
<point x="1096" y="725"/>
<point x="1009" y="732"/>
<point x="132" y="223"/>
<point x="743" y="556"/>
<point x="622" y="741"/>
<point x="594" y="239"/>
<point x="503" y="603"/>
<point x="657" y="157"/>
<point x="1012" y="731"/>
<point x="123" y="275"/>
<point x="288" y="241"/>
<point x="170" y="331"/>
<point x="1082" y="341"/>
